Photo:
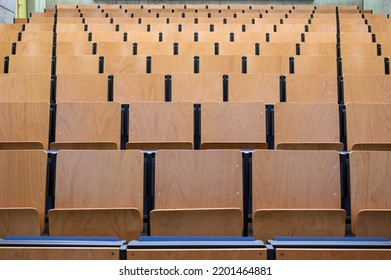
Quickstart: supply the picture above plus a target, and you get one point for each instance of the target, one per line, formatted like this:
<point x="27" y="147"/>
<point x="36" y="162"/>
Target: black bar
<point x="89" y="36"/>
<point x="149" y="64"/>
<point x="160" y="36"/>
<point x="176" y="49"/>
<point x="282" y="89"/>
<point x="231" y="37"/>
<point x="197" y="126"/>
<point x="167" y="88"/>
<point x="257" y="49"/>
<point x="270" y="126"/>
<point x="225" y="88"/>
<point x="379" y="49"/>
<point x="246" y="190"/>
<point x="339" y="66"/>
<point x="196" y="64"/>
<point x="54" y="64"/>
<point x="13" y="49"/>
<point x="101" y="64"/>
<point x="94" y="48"/>
<point x="148" y="28"/>
<point x="291" y="65"/>
<point x="125" y="36"/>
<point x="338" y="50"/>
<point x="342" y="125"/>
<point x="110" y="89"/>
<point x="298" y="49"/>
<point x="216" y="48"/>
<point x="211" y="28"/>
<point x="302" y="37"/>
<point x="243" y="28"/>
<point x="195" y="36"/>
<point x="340" y="90"/>
<point x="267" y="37"/>
<point x="53" y="88"/>
<point x="124" y="125"/>
<point x="387" y="65"/>
<point x="135" y="48"/>
<point x="179" y="27"/>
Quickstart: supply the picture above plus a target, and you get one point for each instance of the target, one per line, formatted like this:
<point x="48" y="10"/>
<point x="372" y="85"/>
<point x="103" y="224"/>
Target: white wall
<point x="7" y="10"/>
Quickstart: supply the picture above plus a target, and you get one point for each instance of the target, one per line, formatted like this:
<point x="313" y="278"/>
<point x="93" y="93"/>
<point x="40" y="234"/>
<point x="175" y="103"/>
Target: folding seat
<point x="197" y="88"/>
<point x="326" y="9"/>
<point x="260" y="28"/>
<point x="81" y="87"/>
<point x="367" y="88"/>
<point x="359" y="49"/>
<point x="107" y="36"/>
<point x="131" y="87"/>
<point x="386" y="27"/>
<point x="233" y="125"/>
<point x="11" y="27"/>
<point x="68" y="27"/>
<point x="39" y="20"/>
<point x="114" y="48"/>
<point x="34" y="48"/>
<point x="311" y="88"/>
<point x="285" y="37"/>
<point x="296" y="194"/>
<point x="318" y="49"/>
<point x="256" y="37"/>
<point x="233" y="27"/>
<point x="326" y="20"/>
<point x="124" y="64"/>
<point x="81" y="64"/>
<point x="196" y="48"/>
<point x="92" y="13"/>
<point x="370" y="193"/>
<point x="101" y="27"/>
<point x="320" y="37"/>
<point x="143" y="36"/>
<point x="277" y="49"/>
<point x="69" y="36"/>
<point x="24" y="125"/>
<point x="268" y="64"/>
<point x="74" y="48"/>
<point x="98" y="193"/>
<point x="169" y="64"/>
<point x="161" y="125"/>
<point x="92" y="125"/>
<point x="322" y="27"/>
<point x="213" y="36"/>
<point x="37" y="36"/>
<point x="277" y="15"/>
<point x="363" y="65"/>
<point x="254" y="87"/>
<point x="25" y="87"/>
<point x="9" y="36"/>
<point x="191" y="27"/>
<point x="356" y="37"/>
<point x="307" y="126"/>
<point x="236" y="48"/>
<point x="38" y="64"/>
<point x="70" y="20"/>
<point x="5" y="48"/>
<point x="297" y="19"/>
<point x="198" y="193"/>
<point x="289" y="27"/>
<point x="314" y="65"/>
<point x="155" y="48"/>
<point x="23" y="188"/>
<point x="383" y="38"/>
<point x="223" y="64"/>
<point x="158" y="27"/>
<point x="38" y="27"/>
<point x="354" y="28"/>
<point x="367" y="126"/>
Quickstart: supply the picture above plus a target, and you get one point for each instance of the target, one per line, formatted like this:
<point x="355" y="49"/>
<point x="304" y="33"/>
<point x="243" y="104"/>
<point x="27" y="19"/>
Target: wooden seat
<point x="268" y="64"/>
<point x="367" y="126"/>
<point x="92" y="125"/>
<point x="155" y="48"/>
<point x="318" y="49"/>
<point x="311" y="88"/>
<point x="354" y="27"/>
<point x="374" y="65"/>
<point x="233" y="125"/>
<point x="69" y="36"/>
<point x="196" y="48"/>
<point x="125" y="64"/>
<point x="82" y="87"/>
<point x="169" y="64"/>
<point x="315" y="65"/>
<point x="285" y="37"/>
<point x="322" y="27"/>
<point x="101" y="27"/>
<point x="223" y="64"/>
<point x="98" y="193"/>
<point x="34" y="48"/>
<point x="25" y="87"/>
<point x="39" y="64"/>
<point x="130" y="87"/>
<point x="80" y="64"/>
<point x="73" y="48"/>
<point x="24" y="125"/>
<point x="38" y="27"/>
<point x="198" y="193"/>
<point x="296" y="193"/>
<point x="37" y="36"/>
<point x="5" y="48"/>
<point x="143" y="36"/>
<point x="236" y="48"/>
<point x="370" y="193"/>
<point x="359" y="49"/>
<point x="114" y="48"/>
<point x="70" y="27"/>
<point x="197" y="88"/>
<point x="320" y="37"/>
<point x="23" y="188"/>
<point x="255" y="37"/>
<point x="367" y="88"/>
<point x="11" y="27"/>
<point x="254" y="87"/>
<point x="356" y="37"/>
<point x="307" y="126"/>
<point x="160" y="125"/>
<point x="107" y="36"/>
<point x="291" y="27"/>
<point x="277" y="49"/>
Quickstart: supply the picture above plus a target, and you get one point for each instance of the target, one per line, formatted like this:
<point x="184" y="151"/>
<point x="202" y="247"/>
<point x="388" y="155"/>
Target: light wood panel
<point x="130" y="87"/>
<point x="255" y="37"/>
<point x="9" y="36"/>
<point x="374" y="65"/>
<point x="355" y="37"/>
<point x="321" y="37"/>
<point x="370" y="193"/>
<point x="73" y="48"/>
<point x="23" y="189"/>
<point x="168" y="64"/>
<point x="268" y="64"/>
<point x="5" y="49"/>
<point x="68" y="36"/>
<point x="234" y="125"/>
<point x="254" y="87"/>
<point x="367" y="126"/>
<point x="277" y="49"/>
<point x="155" y="48"/>
<point x="37" y="36"/>
<point x="80" y="64"/>
<point x="107" y="36"/>
<point x="157" y="125"/>
<point x="333" y="254"/>
<point x="26" y="123"/>
<point x="125" y="64"/>
<point x="24" y="87"/>
<point x="196" y="180"/>
<point x="285" y="37"/>
<point x="196" y="48"/>
<point x="367" y="88"/>
<point x="315" y="65"/>
<point x="38" y="27"/>
<point x="318" y="49"/>
<point x="82" y="87"/>
<point x="302" y="125"/>
<point x="95" y="123"/>
<point x="98" y="193"/>
<point x="197" y="88"/>
<point x="220" y="64"/>
<point x="114" y="48"/>
<point x="311" y="88"/>
<point x="38" y="64"/>
<point x="296" y="188"/>
<point x="34" y="48"/>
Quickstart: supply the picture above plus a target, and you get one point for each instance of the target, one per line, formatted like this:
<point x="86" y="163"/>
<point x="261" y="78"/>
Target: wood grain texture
<point x="168" y="64"/>
<point x="58" y="253"/>
<point x="101" y="27"/>
<point x="107" y="36"/>
<point x="11" y="27"/>
<point x="386" y="49"/>
<point x="367" y="88"/>
<point x="355" y="37"/>
<point x="285" y="37"/>
<point x="207" y="36"/>
<point x="37" y="27"/>
<point x="321" y="37"/>
<point x="239" y="125"/>
<point x="74" y="48"/>
<point x="333" y="254"/>
<point x="223" y="64"/>
<point x="196" y="48"/>
<point x="39" y="64"/>
<point x="301" y="180"/>
<point x="160" y="125"/>
<point x="69" y="27"/>
<point x="19" y="221"/>
<point x="197" y="222"/>
<point x="197" y="88"/>
<point x="311" y="88"/>
<point x="277" y="49"/>
<point x="359" y="49"/>
<point x="88" y="122"/>
<point x="294" y="28"/>
<point x="124" y="223"/>
<point x="82" y="87"/>
<point x="9" y="36"/>
<point x="155" y="48"/>
<point x="69" y="36"/>
<point x="370" y="195"/>
<point x="23" y="185"/>
<point x="254" y="87"/>
<point x="307" y="123"/>
<point x="196" y="254"/>
<point x="363" y="65"/>
<point x="321" y="49"/>
<point x="130" y="87"/>
<point x="268" y="64"/>
<point x="77" y="64"/>
<point x="37" y="36"/>
<point x="322" y="27"/>
<point x="315" y="65"/>
<point x="24" y="87"/>
<point x="34" y="48"/>
<point x="368" y="124"/>
<point x="270" y="223"/>
<point x="255" y="37"/>
<point x="5" y="49"/>
<point x="25" y="122"/>
<point x="125" y="64"/>
<point x="236" y="48"/>
<point x="142" y="36"/>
